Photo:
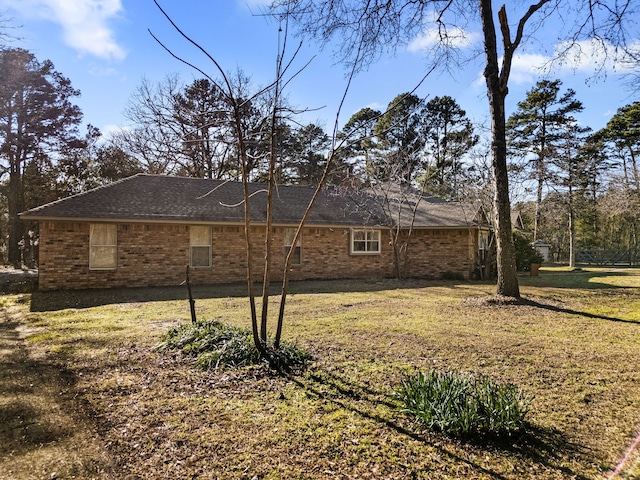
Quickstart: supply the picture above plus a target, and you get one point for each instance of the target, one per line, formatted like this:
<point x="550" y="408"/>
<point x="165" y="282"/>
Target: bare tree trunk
<point x="266" y="283"/>
<point x="572" y="231"/>
<point x="636" y="173"/>
<point x="192" y="302"/>
<point x="497" y="90"/>
<point x="393" y="231"/>
<point x="15" y="225"/>
<point x="247" y="227"/>
<point x="288" y="260"/>
<point x="540" y="181"/>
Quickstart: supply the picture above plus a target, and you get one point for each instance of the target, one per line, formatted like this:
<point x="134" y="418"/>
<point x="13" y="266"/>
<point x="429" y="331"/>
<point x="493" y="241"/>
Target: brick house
<point x="144" y="230"/>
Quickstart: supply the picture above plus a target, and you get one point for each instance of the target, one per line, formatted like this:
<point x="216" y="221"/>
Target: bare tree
<point x="243" y="145"/>
<point x="368" y="28"/>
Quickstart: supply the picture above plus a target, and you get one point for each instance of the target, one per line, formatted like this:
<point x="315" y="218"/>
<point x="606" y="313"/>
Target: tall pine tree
<point x="37" y="122"/>
<point x="536" y="130"/>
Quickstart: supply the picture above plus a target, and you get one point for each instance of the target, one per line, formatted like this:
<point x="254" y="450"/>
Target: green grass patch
<point x="574" y="348"/>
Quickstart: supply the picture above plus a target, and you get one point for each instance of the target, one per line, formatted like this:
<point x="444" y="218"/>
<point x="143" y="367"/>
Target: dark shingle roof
<point x="156" y="198"/>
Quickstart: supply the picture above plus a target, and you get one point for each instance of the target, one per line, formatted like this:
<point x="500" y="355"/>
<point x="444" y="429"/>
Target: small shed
<point x="543" y="248"/>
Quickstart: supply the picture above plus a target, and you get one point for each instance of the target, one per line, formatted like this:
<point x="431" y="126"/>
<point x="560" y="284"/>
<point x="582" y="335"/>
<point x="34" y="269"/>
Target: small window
<point x="200" y="244"/>
<point x="365" y="241"/>
<point x="483" y="240"/>
<point x="289" y="235"/>
<point x="103" y="248"/>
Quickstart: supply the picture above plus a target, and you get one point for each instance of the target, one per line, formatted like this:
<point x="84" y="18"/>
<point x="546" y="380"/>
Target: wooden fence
<point x="607" y="257"/>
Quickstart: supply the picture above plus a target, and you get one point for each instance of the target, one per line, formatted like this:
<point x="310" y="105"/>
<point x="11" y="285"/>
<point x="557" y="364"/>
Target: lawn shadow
<point x="28" y="387"/>
<point x="558" y="309"/>
<point x="62" y="299"/>
<point x="548" y="448"/>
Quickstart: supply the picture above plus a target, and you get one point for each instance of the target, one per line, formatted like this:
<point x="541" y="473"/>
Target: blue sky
<point x="105" y="49"/>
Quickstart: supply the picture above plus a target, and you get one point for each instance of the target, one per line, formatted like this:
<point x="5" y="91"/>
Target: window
<point x="483" y="240"/>
<point x="289" y="235"/>
<point x="365" y="241"/>
<point x="200" y="244"/>
<point x="103" y="247"/>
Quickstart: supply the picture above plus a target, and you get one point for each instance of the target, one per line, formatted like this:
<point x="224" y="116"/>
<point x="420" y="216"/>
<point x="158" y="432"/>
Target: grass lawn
<point x="574" y="346"/>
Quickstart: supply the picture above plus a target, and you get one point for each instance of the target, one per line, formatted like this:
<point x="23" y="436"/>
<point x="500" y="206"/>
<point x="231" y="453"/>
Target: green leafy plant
<point x="216" y="345"/>
<point x="460" y="405"/>
<point x="526" y="254"/>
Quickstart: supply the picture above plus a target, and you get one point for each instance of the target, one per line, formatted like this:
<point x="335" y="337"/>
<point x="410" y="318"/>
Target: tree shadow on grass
<point x="544" y="447"/>
<point x="543" y="304"/>
<point x="559" y="309"/>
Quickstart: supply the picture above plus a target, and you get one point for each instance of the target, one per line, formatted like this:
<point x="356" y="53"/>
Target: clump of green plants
<point x="526" y="254"/>
<point x="217" y="346"/>
<point x="460" y="405"/>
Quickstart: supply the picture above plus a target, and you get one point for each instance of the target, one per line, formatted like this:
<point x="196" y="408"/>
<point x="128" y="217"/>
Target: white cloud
<point x="587" y="58"/>
<point x="453" y="37"/>
<point x="85" y="23"/>
<point x="376" y="106"/>
<point x="108" y="131"/>
<point x="527" y="68"/>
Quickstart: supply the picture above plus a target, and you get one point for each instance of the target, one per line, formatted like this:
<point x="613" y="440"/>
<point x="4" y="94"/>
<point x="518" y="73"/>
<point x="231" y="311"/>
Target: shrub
<point x="460" y="405"/>
<point x="216" y="345"/>
<point x="526" y="254"/>
<point x="448" y="275"/>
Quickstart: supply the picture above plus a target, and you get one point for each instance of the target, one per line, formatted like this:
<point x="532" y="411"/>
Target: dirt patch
<point x="501" y="301"/>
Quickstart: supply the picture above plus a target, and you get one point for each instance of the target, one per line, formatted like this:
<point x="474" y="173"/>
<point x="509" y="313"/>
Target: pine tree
<point x="37" y="122"/>
<point x="536" y="130"/>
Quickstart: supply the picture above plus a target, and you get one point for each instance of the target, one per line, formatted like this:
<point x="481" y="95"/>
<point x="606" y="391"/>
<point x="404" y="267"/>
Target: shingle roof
<point x="157" y="198"/>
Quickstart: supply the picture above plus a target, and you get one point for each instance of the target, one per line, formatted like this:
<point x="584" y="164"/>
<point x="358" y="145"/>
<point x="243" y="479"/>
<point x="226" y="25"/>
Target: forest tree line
<point x="576" y="188"/>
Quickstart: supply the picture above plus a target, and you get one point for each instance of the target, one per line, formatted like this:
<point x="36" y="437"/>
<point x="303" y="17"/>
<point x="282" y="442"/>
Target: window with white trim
<point x="483" y="240"/>
<point x="289" y="235"/>
<point x="365" y="241"/>
<point x="103" y="246"/>
<point x="200" y="246"/>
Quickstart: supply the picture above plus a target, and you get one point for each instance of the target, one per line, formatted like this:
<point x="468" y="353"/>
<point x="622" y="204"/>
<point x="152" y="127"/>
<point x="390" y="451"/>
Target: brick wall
<point x="157" y="254"/>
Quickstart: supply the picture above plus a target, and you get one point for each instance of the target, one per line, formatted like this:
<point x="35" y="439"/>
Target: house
<point x="144" y="231"/>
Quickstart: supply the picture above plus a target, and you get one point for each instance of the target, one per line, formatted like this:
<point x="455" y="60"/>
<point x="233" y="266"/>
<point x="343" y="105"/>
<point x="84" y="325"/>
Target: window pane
<point x="359" y="235"/>
<point x="359" y="246"/>
<point x="297" y="256"/>
<point x="102" y="234"/>
<point x="102" y="257"/>
<point x="200" y="235"/>
<point x="102" y="245"/>
<point x="200" y="256"/>
<point x="374" y="247"/>
<point x="296" y="259"/>
<point x="289" y="235"/>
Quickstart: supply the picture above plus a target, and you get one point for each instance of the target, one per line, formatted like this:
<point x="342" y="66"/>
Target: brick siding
<point x="157" y="255"/>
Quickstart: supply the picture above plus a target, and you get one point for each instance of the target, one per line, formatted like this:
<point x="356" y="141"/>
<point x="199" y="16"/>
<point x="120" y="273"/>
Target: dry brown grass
<point x="574" y="344"/>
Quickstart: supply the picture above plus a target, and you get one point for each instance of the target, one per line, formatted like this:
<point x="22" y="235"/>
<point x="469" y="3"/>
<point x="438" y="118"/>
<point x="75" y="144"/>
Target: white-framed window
<point x="483" y="240"/>
<point x="289" y="235"/>
<point x="200" y="246"/>
<point x="365" y="241"/>
<point x="103" y="246"/>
